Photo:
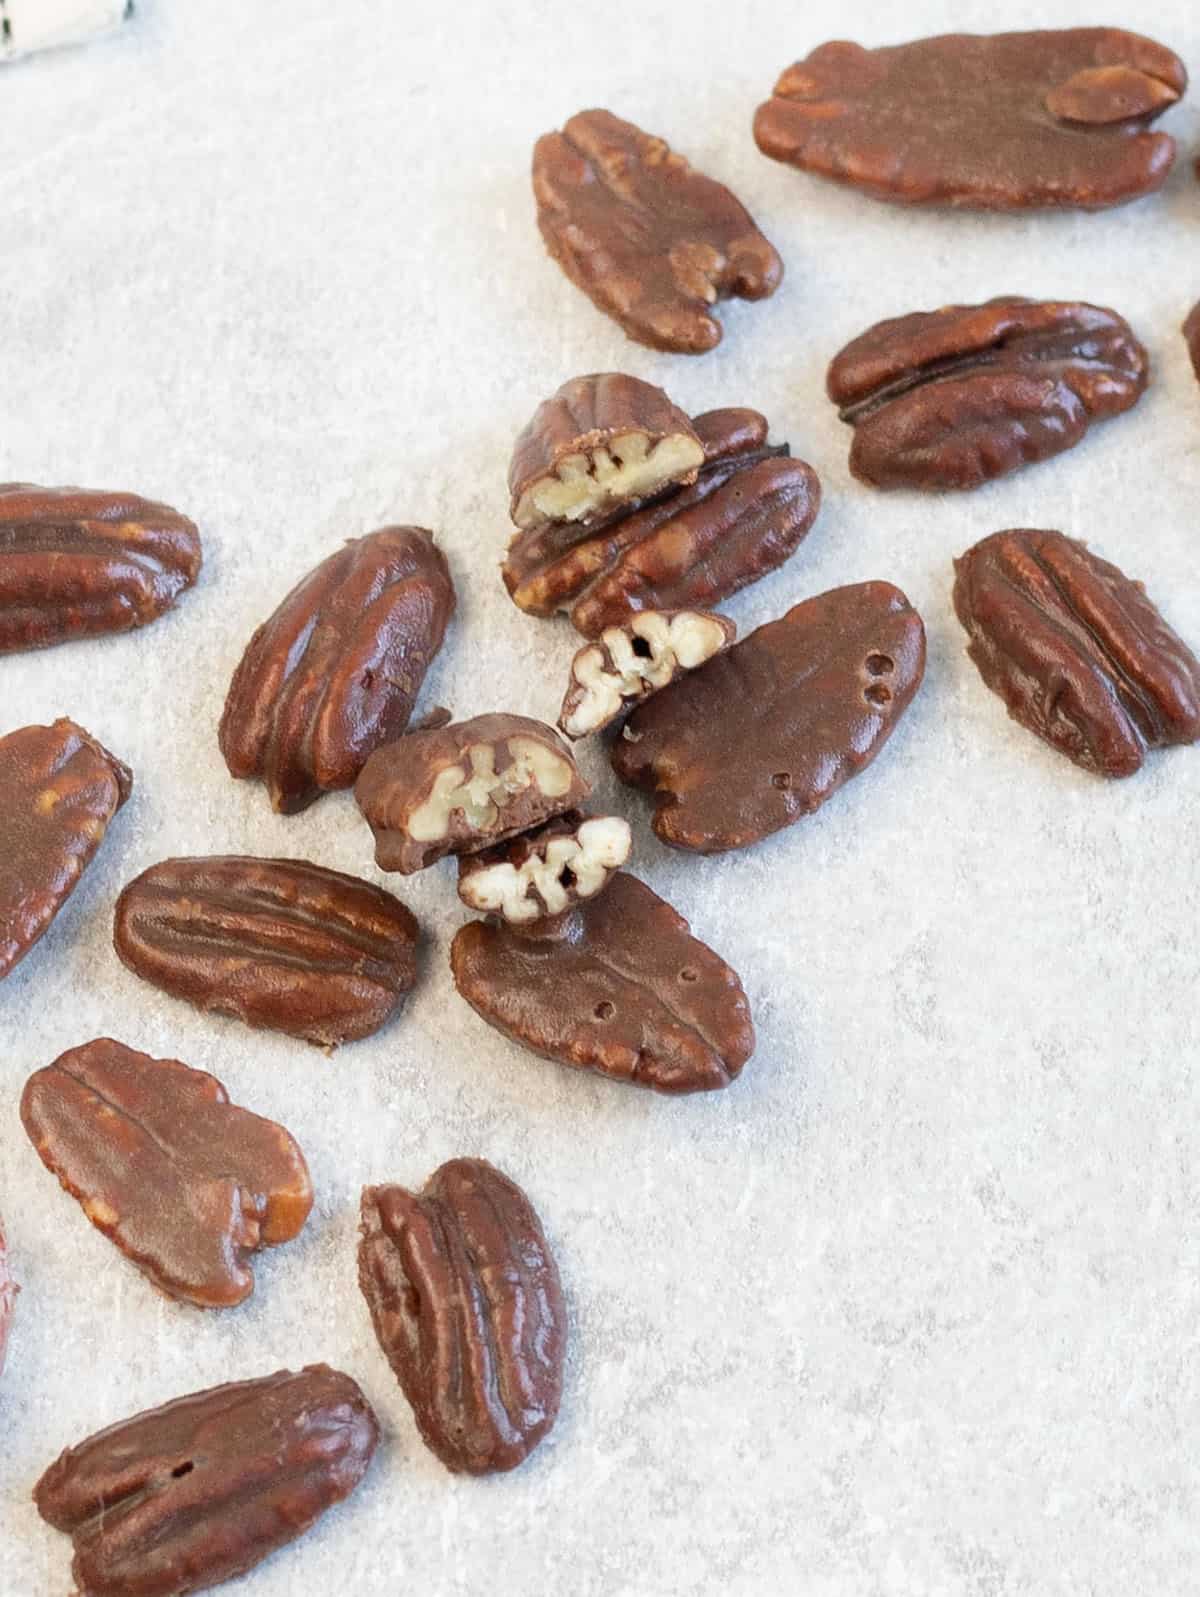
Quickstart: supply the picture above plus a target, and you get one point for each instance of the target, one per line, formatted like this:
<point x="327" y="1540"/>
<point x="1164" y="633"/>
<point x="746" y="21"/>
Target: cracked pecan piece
<point x="770" y="729"/>
<point x="688" y="548"/>
<point x="185" y="1183"/>
<point x="627" y="664"/>
<point x="466" y="1303"/>
<point x="617" y="985"/>
<point x="999" y="122"/>
<point x="76" y="563"/>
<point x="59" y="789"/>
<point x="464" y="787"/>
<point x="1191" y="333"/>
<point x="182" y="1497"/>
<point x="652" y="243"/>
<point x="8" y="1297"/>
<point x="952" y="398"/>
<point x="336" y="670"/>
<point x="276" y="943"/>
<point x="544" y="872"/>
<point x="1076" y="650"/>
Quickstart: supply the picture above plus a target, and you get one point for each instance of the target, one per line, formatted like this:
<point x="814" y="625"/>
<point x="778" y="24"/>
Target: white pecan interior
<point x="628" y="466"/>
<point x="629" y="663"/>
<point x="576" y="865"/>
<point x="481" y="792"/>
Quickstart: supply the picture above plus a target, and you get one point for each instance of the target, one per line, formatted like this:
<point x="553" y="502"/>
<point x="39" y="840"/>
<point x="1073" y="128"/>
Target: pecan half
<point x="277" y="943"/>
<point x="770" y="729"/>
<point x="185" y="1183"/>
<point x="1191" y="332"/>
<point x="652" y="243"/>
<point x="1004" y="122"/>
<point x="543" y="873"/>
<point x="956" y="397"/>
<point x="59" y="789"/>
<point x="78" y="564"/>
<point x="8" y="1297"/>
<point x="465" y="1300"/>
<point x="1076" y="650"/>
<point x="463" y="787"/>
<point x="182" y="1497"/>
<point x="746" y="513"/>
<point x="336" y="670"/>
<point x="617" y="985"/>
<point x="627" y="664"/>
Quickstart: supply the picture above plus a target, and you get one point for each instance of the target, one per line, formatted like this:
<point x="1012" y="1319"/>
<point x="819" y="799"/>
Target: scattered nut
<point x="544" y="872"/>
<point x="629" y="663"/>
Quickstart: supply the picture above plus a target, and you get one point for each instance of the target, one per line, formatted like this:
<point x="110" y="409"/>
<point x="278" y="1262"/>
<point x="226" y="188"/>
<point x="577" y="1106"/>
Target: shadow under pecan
<point x="59" y="789"/>
<point x="951" y="399"/>
<point x="8" y="1297"/>
<point x="1006" y="121"/>
<point x="336" y="670"/>
<point x="76" y="563"/>
<point x="1191" y="333"/>
<point x="1076" y="650"/>
<point x="652" y="243"/>
<point x="185" y="1496"/>
<point x="185" y="1183"/>
<point x="466" y="1303"/>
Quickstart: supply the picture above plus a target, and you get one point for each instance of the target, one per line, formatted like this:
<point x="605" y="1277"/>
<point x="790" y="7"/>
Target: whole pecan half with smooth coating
<point x="337" y="669"/>
<point x="8" y="1297"/>
<point x="998" y="122"/>
<point x="76" y="563"/>
<point x="59" y="789"/>
<point x="627" y="664"/>
<point x="689" y="548"/>
<point x="617" y="985"/>
<point x="767" y="731"/>
<point x="652" y="243"/>
<point x="956" y="397"/>
<point x="1191" y="332"/>
<point x="465" y="1300"/>
<point x="544" y="872"/>
<point x="276" y="943"/>
<point x="1076" y="650"/>
<point x="182" y="1497"/>
<point x="185" y="1183"/>
<point x="463" y="787"/>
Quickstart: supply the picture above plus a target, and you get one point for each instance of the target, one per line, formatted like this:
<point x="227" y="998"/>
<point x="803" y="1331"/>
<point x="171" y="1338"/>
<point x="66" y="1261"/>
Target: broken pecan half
<point x="185" y="1183"/>
<point x="8" y="1297"/>
<point x="627" y="664"/>
<point x="1191" y="332"/>
<point x="652" y="243"/>
<point x="689" y="548"/>
<point x="277" y="943"/>
<point x="182" y="1497"/>
<point x="78" y="564"/>
<point x="59" y="789"/>
<point x="767" y="731"/>
<point x="1076" y="650"/>
<point x="617" y="985"/>
<point x="463" y="787"/>
<point x="956" y="397"/>
<point x="336" y="670"/>
<point x="1004" y="122"/>
<point x="544" y="872"/>
<point x="465" y="1300"/>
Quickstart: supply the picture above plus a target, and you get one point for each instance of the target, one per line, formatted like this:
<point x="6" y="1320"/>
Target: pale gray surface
<point x="913" y="1308"/>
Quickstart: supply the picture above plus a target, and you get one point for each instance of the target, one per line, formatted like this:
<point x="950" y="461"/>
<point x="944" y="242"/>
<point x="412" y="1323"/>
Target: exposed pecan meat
<point x="627" y="664"/>
<point x="544" y="872"/>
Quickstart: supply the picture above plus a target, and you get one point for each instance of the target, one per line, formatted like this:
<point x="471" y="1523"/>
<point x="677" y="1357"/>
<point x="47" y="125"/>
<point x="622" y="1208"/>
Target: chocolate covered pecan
<point x="1076" y="650"/>
<point x="1007" y="121"/>
<point x="336" y="670"/>
<point x="8" y="1297"/>
<point x="617" y="985"/>
<point x="544" y="872"/>
<point x="77" y="564"/>
<point x="1191" y="332"/>
<point x="277" y="943"/>
<point x="185" y="1183"/>
<point x="955" y="397"/>
<point x="652" y="243"/>
<point x="627" y="664"/>
<point x="692" y="546"/>
<point x="768" y="730"/>
<point x="465" y="1300"/>
<point x="463" y="787"/>
<point x="59" y="789"/>
<point x="182" y="1497"/>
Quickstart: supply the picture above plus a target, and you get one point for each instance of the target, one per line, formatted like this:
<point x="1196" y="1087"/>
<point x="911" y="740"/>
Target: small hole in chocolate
<point x="878" y="694"/>
<point x="605" y="1011"/>
<point x="782" y="780"/>
<point x="879" y="665"/>
<point x="688" y="974"/>
<point x="642" y="649"/>
<point x="181" y="1470"/>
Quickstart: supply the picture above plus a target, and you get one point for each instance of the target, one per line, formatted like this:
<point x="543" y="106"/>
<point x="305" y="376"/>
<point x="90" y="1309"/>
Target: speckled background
<point x="913" y="1308"/>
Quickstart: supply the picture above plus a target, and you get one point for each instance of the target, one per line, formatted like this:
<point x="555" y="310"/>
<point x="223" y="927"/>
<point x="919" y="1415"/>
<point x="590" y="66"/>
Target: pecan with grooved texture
<point x="544" y="872"/>
<point x="465" y="1300"/>
<point x="185" y="1183"/>
<point x="277" y="943"/>
<point x="1076" y="650"/>
<point x="8" y="1297"/>
<point x="78" y="564"/>
<point x="336" y="670"/>
<point x="182" y="1497"/>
